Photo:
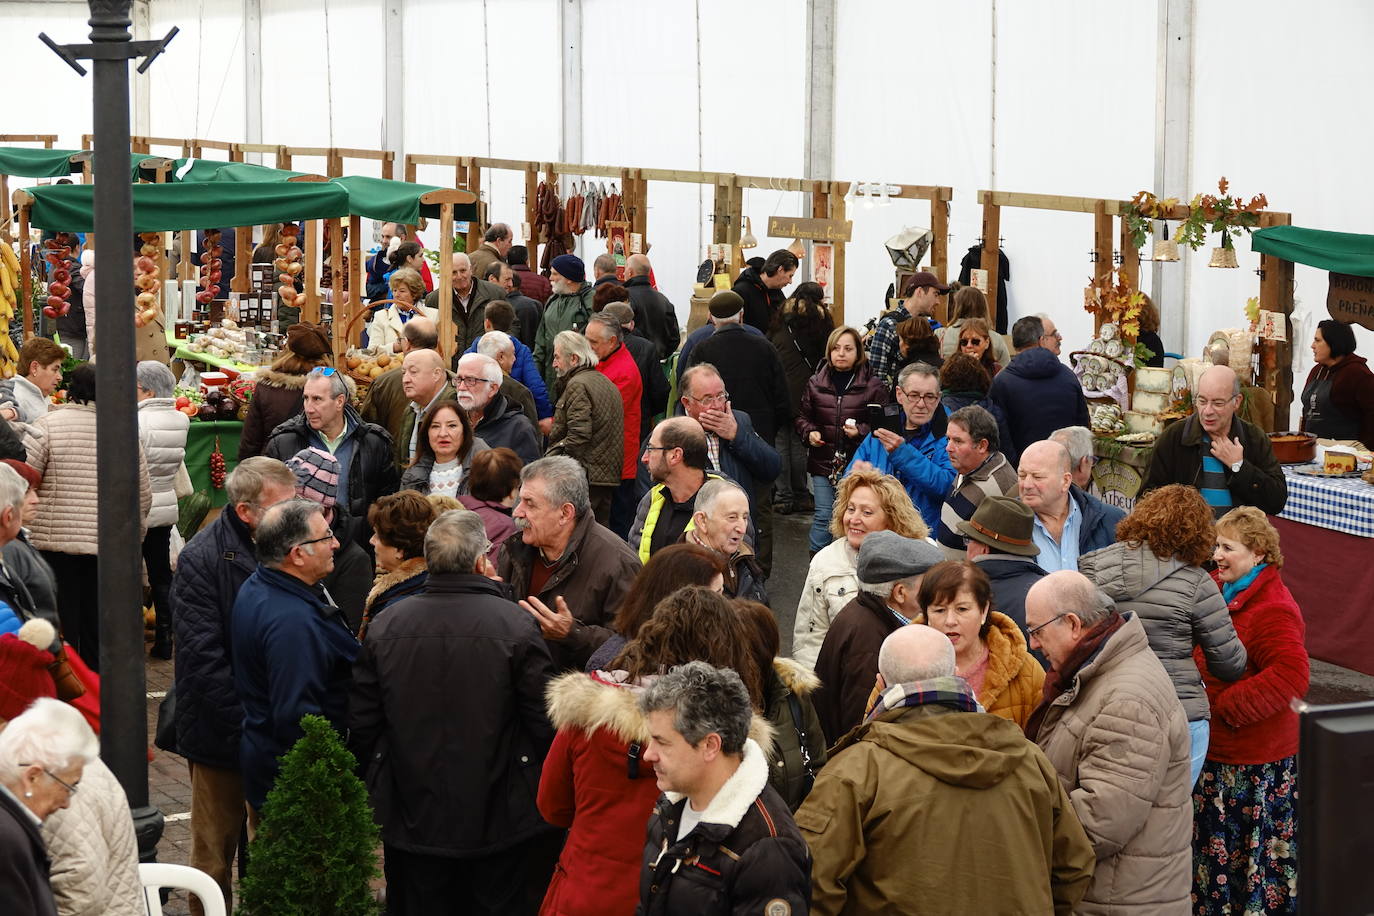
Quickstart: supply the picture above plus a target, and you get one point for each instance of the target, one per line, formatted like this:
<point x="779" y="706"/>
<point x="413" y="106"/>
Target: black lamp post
<point x="123" y="697"/>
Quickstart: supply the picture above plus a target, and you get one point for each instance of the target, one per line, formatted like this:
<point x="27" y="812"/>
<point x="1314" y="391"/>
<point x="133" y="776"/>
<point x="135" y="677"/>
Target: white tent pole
<point x="1173" y="157"/>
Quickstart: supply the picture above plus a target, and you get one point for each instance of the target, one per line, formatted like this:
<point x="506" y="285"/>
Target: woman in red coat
<point x="833" y="420"/>
<point x="1244" y="808"/>
<point x="595" y="781"/>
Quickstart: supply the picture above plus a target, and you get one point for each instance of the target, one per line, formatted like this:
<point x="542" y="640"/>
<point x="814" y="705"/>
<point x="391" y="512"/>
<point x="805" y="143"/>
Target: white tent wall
<point x="1293" y="130"/>
<point x="196" y="87"/>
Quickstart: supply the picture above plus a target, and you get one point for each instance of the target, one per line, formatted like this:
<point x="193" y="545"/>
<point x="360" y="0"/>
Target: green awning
<point x="1343" y="252"/>
<point x="170" y="207"/>
<point x="395" y="201"/>
<point x="27" y="162"/>
<point x="195" y="171"/>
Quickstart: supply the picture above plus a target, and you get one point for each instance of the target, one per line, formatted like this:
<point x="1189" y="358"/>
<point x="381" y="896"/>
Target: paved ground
<point x="169" y="783"/>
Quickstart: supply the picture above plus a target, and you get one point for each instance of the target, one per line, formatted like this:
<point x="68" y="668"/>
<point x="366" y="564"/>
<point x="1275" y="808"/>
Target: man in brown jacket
<point x="495" y="243"/>
<point x="564" y="568"/>
<point x="880" y="819"/>
<point x="588" y="419"/>
<point x="1113" y="727"/>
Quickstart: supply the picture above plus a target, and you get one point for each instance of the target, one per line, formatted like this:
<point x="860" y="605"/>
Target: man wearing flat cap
<point x="749" y="366"/>
<point x="999" y="541"/>
<point x="923" y="290"/>
<point x="890" y="569"/>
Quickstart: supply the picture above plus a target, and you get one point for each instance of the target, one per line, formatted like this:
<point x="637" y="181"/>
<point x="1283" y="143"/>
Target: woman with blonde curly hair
<point x="1245" y="851"/>
<point x="407" y="301"/>
<point x="1155" y="570"/>
<point x="865" y="501"/>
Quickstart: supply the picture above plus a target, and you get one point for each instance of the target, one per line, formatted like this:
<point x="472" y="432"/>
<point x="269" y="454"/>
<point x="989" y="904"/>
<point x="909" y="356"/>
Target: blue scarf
<point x="1229" y="590"/>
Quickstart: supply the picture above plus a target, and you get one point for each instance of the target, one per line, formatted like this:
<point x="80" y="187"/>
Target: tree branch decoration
<point x="1117" y="303"/>
<point x="1227" y="214"/>
<point x="1140" y="214"/>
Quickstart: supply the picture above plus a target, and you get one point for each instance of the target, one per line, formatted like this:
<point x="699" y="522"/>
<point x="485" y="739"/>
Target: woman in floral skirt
<point x="1245" y="854"/>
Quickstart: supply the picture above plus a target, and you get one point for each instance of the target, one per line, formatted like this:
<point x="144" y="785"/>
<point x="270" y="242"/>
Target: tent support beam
<point x="1173" y="154"/>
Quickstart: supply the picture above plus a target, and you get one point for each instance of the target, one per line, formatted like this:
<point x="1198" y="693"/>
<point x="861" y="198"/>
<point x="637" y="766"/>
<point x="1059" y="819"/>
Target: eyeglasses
<point x="327" y="537"/>
<point x="1217" y="404"/>
<point x="659" y="448"/>
<point x="1056" y="335"/>
<point x="1033" y="630"/>
<point x="969" y="341"/>
<point x="920" y="398"/>
<point x="71" y="789"/>
<point x="470" y="381"/>
<point x="711" y="399"/>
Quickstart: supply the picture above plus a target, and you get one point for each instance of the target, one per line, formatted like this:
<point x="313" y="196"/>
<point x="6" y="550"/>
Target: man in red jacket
<point x="606" y="335"/>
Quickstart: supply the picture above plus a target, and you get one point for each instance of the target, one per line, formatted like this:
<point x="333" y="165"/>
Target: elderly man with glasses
<point x="916" y="456"/>
<point x="328" y="420"/>
<point x="293" y="652"/>
<point x="1229" y="460"/>
<point x="496" y="420"/>
<point x="733" y="448"/>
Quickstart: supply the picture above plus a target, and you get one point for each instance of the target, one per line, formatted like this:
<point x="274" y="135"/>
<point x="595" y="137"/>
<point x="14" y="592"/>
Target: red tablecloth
<point x="1331" y="575"/>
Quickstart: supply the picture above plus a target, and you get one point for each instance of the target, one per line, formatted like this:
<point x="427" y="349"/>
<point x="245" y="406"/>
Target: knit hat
<point x="886" y="556"/>
<point x="308" y="341"/>
<point x="726" y="303"/>
<point x="317" y="475"/>
<point x="570" y="267"/>
<point x="26" y="471"/>
<point x="24" y="675"/>
<point x="1004" y="524"/>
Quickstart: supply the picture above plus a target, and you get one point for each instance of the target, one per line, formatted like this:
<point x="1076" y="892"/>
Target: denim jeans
<point x="820" y="522"/>
<point x="1200" y="733"/>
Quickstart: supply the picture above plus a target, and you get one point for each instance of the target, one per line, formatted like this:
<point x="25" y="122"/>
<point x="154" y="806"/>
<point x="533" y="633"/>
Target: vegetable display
<point x="58" y="253"/>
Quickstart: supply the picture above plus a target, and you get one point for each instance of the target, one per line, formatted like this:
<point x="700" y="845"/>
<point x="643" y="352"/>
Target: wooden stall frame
<point x="1276" y="283"/>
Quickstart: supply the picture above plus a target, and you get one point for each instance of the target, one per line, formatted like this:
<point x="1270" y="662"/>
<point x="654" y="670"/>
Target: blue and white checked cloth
<point x="1344" y="504"/>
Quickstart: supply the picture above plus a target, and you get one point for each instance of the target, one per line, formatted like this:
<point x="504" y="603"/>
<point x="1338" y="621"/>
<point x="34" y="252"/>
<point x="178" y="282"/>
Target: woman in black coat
<point x="833" y="420"/>
<point x="800" y="329"/>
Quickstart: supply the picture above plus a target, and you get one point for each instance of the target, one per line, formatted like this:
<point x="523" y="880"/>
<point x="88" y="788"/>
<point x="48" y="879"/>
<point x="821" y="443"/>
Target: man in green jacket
<point x="470" y="298"/>
<point x="567" y="310"/>
<point x="879" y="818"/>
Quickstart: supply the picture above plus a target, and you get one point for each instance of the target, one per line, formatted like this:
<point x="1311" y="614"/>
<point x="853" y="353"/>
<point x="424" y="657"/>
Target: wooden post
<point x="410" y="170"/>
<point x="185" y="269"/>
<point x="477" y="227"/>
<point x="243" y="255"/>
<point x="311" y="310"/>
<point x="25" y="269"/>
<point x="838" y="189"/>
<point x="532" y="214"/>
<point x="1102" y="248"/>
<point x="389" y="165"/>
<point x="992" y="230"/>
<point x="337" y="280"/>
<point x="735" y="195"/>
<point x="1129" y="272"/>
<point x="1276" y="295"/>
<point x="447" y="339"/>
<point x="344" y="319"/>
<point x="939" y="246"/>
<point x="720" y="207"/>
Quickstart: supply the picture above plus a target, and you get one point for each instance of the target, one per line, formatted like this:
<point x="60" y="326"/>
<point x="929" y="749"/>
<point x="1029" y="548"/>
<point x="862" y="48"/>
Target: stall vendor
<point x="1338" y="399"/>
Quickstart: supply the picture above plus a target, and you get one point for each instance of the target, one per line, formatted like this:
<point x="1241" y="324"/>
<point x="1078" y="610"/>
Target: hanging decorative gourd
<point x="58" y="253"/>
<point x="288" y="263"/>
<point x="211" y="267"/>
<point x="148" y="300"/>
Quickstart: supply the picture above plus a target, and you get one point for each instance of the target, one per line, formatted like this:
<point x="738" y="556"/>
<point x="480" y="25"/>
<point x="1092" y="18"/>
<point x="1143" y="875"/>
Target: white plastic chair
<point x="156" y="875"/>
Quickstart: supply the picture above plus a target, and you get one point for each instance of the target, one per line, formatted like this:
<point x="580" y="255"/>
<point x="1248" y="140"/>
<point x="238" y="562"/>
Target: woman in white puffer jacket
<point x="162" y="431"/>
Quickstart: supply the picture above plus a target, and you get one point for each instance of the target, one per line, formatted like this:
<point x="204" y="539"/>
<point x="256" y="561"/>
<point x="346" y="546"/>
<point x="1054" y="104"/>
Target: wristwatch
<point x="1235" y="468"/>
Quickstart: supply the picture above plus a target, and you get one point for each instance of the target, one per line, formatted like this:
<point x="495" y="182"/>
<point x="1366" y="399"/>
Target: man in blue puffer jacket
<point x="917" y="457"/>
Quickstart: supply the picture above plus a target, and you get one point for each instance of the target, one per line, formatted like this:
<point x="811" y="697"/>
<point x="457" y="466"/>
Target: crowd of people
<point x="532" y="592"/>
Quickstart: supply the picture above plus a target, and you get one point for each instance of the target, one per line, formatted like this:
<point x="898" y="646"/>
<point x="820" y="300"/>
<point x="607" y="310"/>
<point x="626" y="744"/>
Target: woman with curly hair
<point x="1155" y="570"/>
<point x="675" y="566"/>
<point x="407" y="301"/>
<point x="594" y="780"/>
<point x="964" y="381"/>
<point x="866" y="501"/>
<point x="1245" y="853"/>
<point x="399" y="523"/>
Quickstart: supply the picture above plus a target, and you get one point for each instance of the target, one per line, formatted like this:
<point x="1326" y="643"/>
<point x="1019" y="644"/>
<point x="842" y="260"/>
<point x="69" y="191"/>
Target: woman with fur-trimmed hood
<point x="595" y="781"/>
<point x="280" y="389"/>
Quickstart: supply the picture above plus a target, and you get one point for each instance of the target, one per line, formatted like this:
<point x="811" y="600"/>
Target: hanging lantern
<point x="908" y="247"/>
<point x="1165" y="249"/>
<point x="747" y="240"/>
<point x="1225" y="256"/>
<point x="797" y="249"/>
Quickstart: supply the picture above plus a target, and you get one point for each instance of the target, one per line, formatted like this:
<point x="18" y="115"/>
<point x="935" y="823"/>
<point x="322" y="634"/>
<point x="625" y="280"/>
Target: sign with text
<point x="817" y="230"/>
<point x="1350" y="298"/>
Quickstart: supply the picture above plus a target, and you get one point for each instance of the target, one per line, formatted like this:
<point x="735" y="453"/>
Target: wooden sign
<point x="1350" y="298"/>
<point x="817" y="230"/>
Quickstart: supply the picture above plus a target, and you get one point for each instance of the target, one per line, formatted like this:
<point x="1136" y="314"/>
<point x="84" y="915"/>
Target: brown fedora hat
<point x="1004" y="524"/>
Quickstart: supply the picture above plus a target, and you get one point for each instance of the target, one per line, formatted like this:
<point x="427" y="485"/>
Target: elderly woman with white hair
<point x="589" y="419"/>
<point x="43" y="753"/>
<point x="162" y="431"/>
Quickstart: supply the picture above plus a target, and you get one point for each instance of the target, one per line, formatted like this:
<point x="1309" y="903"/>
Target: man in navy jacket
<point x="1037" y="393"/>
<point x="293" y="652"/>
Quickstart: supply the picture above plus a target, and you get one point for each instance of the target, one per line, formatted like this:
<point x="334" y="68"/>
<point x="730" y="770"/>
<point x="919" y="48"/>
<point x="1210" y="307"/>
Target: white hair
<point x="575" y="345"/>
<point x="713" y="489"/>
<point x="13" y="489"/>
<point x="1077" y="439"/>
<point x="490" y="368"/>
<point x="494" y="343"/>
<point x="51" y="734"/>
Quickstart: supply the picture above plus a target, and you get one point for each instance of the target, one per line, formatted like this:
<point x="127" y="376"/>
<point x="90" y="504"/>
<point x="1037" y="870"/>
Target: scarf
<point x="952" y="692"/>
<point x="1058" y="680"/>
<point x="1229" y="590"/>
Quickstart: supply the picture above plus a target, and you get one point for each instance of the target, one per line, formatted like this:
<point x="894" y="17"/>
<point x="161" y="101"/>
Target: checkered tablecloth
<point x="1344" y="504"/>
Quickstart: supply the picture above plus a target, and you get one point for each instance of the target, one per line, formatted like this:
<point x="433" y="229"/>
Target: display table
<point x="1326" y="533"/>
<point x="200" y="442"/>
<point x="181" y="350"/>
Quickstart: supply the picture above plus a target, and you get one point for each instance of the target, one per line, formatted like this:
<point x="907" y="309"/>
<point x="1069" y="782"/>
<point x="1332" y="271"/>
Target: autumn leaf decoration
<point x="1116" y="302"/>
<point x="1141" y="212"/>
<point x="1221" y="212"/>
